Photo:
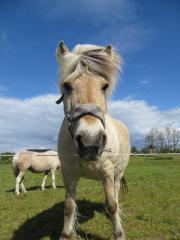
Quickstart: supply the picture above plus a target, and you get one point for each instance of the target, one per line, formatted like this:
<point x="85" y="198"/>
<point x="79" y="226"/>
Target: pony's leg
<point x="117" y="184"/>
<point x="44" y="180"/>
<point x="18" y="181"/>
<point x="112" y="207"/>
<point x="53" y="178"/>
<point x="22" y="186"/>
<point x="69" y="211"/>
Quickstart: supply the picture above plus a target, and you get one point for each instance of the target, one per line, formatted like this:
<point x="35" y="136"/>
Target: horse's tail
<point x="124" y="185"/>
<point x="15" y="164"/>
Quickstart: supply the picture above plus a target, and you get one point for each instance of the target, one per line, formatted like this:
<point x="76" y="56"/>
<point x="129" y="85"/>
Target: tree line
<point x="161" y="141"/>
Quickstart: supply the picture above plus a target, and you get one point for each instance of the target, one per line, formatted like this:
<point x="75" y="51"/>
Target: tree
<point x="151" y="138"/>
<point x="134" y="149"/>
<point x="161" y="143"/>
<point x="166" y="140"/>
<point x="175" y="138"/>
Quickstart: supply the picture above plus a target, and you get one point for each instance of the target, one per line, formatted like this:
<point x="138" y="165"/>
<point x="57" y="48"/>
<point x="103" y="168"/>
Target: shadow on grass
<point x="49" y="223"/>
<point x="34" y="188"/>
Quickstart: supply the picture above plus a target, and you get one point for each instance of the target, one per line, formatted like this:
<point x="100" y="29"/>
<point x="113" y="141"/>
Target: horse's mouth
<point x="89" y="157"/>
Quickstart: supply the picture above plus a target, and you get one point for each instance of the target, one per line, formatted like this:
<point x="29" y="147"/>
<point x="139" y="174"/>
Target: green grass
<point x="151" y="209"/>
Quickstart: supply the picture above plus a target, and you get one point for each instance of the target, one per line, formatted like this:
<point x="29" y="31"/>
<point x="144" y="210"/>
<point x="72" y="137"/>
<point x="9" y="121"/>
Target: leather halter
<point x="60" y="99"/>
<point x="80" y="111"/>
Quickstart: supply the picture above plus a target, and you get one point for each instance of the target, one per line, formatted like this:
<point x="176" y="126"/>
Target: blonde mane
<point x="91" y="59"/>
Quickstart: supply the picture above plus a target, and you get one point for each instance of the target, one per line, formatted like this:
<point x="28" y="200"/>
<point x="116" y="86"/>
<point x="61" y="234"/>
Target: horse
<point x="91" y="143"/>
<point x="36" y="162"/>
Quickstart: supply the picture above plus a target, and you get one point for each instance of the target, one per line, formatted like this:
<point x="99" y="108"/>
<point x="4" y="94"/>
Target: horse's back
<point x="37" y="161"/>
<point x="45" y="161"/>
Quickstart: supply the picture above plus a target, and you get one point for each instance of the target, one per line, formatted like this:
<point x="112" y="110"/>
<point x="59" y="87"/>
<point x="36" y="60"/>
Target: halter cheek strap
<point x="60" y="99"/>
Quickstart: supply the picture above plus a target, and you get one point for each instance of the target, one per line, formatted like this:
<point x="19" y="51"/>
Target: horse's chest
<point x="90" y="170"/>
<point x="96" y="170"/>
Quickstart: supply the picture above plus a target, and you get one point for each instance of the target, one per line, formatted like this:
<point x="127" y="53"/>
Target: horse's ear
<point x="61" y="49"/>
<point x="108" y="49"/>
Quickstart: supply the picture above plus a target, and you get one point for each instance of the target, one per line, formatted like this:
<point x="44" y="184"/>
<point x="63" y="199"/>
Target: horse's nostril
<point x="104" y="140"/>
<point x="90" y="147"/>
<point x="78" y="141"/>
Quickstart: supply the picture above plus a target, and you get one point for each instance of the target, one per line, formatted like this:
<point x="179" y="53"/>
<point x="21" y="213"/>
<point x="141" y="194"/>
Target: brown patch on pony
<point x="90" y="119"/>
<point x="118" y="235"/>
<point x="87" y="89"/>
<point x="124" y="185"/>
<point x="111" y="206"/>
<point x="65" y="236"/>
<point x="69" y="206"/>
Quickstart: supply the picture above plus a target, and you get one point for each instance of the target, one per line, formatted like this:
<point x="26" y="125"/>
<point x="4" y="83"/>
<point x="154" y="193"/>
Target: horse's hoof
<point x="64" y="237"/>
<point x="54" y="187"/>
<point x="17" y="193"/>
<point x="24" y="191"/>
<point x="42" y="188"/>
<point x="119" y="236"/>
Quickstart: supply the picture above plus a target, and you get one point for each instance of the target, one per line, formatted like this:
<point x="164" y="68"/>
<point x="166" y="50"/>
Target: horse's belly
<point x="38" y="168"/>
<point x="34" y="170"/>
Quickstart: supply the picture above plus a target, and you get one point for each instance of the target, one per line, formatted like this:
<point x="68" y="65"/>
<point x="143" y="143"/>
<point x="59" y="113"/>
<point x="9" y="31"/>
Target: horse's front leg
<point x="44" y="180"/>
<point x="112" y="207"/>
<point x="69" y="211"/>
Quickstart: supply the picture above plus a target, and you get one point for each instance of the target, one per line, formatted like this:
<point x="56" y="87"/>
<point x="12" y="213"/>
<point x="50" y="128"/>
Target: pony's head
<point x="88" y="75"/>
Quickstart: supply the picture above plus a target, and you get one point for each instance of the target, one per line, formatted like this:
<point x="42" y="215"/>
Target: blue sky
<point x="146" y="33"/>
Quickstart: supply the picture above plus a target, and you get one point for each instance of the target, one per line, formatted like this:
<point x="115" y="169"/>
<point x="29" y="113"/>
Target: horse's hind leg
<point x="22" y="185"/>
<point x="18" y="181"/>
<point x="69" y="211"/>
<point x="44" y="180"/>
<point x="112" y="207"/>
<point x="53" y="178"/>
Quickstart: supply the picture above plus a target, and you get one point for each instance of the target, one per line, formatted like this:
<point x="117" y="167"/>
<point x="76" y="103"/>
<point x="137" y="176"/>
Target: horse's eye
<point x="67" y="86"/>
<point x="105" y="87"/>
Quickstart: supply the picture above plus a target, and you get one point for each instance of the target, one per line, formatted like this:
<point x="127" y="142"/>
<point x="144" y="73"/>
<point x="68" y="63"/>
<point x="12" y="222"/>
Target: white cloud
<point x="144" y="82"/>
<point x="3" y="89"/>
<point x="101" y="10"/>
<point x="32" y="122"/>
<point x="3" y="37"/>
<point x="35" y="122"/>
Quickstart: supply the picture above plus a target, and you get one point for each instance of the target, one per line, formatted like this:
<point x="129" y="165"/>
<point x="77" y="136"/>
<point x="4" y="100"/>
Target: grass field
<point x="151" y="209"/>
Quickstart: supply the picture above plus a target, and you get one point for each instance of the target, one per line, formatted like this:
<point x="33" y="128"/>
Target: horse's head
<point x="87" y="75"/>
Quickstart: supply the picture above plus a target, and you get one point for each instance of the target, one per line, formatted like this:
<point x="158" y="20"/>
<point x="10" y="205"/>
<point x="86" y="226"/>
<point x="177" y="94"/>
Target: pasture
<point x="150" y="209"/>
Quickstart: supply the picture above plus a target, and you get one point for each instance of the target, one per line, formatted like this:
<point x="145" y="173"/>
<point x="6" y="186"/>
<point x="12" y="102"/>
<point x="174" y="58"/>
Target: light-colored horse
<point x="36" y="162"/>
<point x="91" y="143"/>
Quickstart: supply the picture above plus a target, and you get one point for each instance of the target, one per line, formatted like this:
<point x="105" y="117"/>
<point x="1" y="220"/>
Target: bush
<point x="6" y="159"/>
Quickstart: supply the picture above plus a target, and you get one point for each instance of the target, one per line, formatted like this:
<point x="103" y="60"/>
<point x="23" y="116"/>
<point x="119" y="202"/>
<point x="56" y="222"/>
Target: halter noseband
<point x="81" y="111"/>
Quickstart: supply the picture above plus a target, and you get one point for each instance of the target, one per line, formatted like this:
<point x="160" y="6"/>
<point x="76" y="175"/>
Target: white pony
<point x="91" y="143"/>
<point x="36" y="162"/>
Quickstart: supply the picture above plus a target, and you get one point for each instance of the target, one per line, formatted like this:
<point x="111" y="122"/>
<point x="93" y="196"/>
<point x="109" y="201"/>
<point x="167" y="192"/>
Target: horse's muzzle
<point x="90" y="149"/>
